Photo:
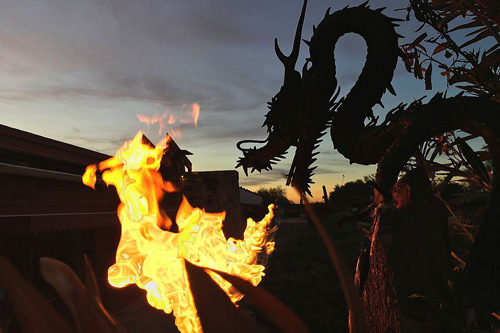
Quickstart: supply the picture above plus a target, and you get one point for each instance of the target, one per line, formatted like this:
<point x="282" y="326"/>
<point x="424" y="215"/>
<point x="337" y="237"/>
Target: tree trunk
<point x="403" y="272"/>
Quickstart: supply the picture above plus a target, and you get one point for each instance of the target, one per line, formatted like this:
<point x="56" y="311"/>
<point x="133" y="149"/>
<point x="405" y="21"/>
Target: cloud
<point x="153" y="89"/>
<point x="278" y="174"/>
<point x="265" y="178"/>
<point x="103" y="143"/>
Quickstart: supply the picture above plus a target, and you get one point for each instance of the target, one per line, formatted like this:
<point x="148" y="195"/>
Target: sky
<point x="81" y="71"/>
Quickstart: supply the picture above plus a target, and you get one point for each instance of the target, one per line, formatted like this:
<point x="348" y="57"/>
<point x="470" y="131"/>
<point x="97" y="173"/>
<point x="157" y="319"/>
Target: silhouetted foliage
<point x="355" y="193"/>
<point x="448" y="189"/>
<point x="276" y="195"/>
<point x="470" y="66"/>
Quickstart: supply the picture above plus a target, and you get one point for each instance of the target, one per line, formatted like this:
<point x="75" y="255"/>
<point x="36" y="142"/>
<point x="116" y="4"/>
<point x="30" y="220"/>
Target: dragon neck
<point x="382" y="52"/>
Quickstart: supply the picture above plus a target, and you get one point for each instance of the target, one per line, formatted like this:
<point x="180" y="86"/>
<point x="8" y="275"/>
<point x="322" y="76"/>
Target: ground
<point x="301" y="274"/>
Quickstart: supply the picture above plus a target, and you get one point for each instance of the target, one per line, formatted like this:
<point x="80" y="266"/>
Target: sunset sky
<point x="81" y="71"/>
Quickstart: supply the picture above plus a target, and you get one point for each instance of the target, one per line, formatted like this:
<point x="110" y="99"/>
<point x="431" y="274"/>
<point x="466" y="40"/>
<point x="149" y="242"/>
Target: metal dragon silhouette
<point x="308" y="104"/>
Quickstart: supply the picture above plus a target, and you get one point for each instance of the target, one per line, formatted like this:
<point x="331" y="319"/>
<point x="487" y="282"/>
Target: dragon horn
<point x="290" y="61"/>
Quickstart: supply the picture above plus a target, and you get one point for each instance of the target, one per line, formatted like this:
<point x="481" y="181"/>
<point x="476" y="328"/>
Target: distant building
<point x="251" y="204"/>
<point x="248" y="197"/>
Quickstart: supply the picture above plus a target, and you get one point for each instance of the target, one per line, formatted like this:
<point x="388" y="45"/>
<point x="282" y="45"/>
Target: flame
<point x="168" y="119"/>
<point x="152" y="257"/>
<point x="196" y="113"/>
<point x="171" y="119"/>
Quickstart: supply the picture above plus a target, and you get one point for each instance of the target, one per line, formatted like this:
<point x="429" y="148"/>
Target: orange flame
<point x="196" y="113"/>
<point x="167" y="118"/>
<point x="152" y="257"/>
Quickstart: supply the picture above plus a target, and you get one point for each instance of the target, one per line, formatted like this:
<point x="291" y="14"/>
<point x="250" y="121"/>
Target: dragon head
<point x="283" y="120"/>
<point x="292" y="120"/>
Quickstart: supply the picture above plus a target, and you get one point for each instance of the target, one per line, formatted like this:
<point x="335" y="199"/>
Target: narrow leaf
<point x="493" y="48"/>
<point x="474" y="161"/>
<point x="407" y="65"/>
<point x="89" y="319"/>
<point x="216" y="311"/>
<point x="482" y="35"/>
<point x="439" y="48"/>
<point x="419" y="39"/>
<point x="428" y="77"/>
<point x="263" y="301"/>
<point x="358" y="323"/>
<point x="32" y="311"/>
<point x="416" y="70"/>
<point x="476" y="31"/>
<point x="471" y="24"/>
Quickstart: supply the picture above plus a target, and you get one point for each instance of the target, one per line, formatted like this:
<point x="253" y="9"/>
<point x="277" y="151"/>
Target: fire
<point x="152" y="257"/>
<point x="196" y="113"/>
<point x="168" y="119"/>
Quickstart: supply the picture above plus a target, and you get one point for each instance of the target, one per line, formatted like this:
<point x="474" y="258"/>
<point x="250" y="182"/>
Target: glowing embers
<point x="152" y="257"/>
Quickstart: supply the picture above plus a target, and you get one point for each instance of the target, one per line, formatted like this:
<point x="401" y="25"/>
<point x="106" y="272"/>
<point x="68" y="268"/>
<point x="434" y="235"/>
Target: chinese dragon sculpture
<point x="308" y="104"/>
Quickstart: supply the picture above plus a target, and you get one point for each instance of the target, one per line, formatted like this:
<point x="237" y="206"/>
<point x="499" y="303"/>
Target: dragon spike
<point x="308" y="42"/>
<point x="381" y="9"/>
<point x="380" y="103"/>
<point x="328" y="11"/>
<point x="364" y="4"/>
<point x="245" y="169"/>
<point x="281" y="56"/>
<point x="390" y="88"/>
<point x="395" y="19"/>
<point x="400" y="36"/>
<point x="336" y="94"/>
<point x="304" y="68"/>
<point x="290" y="61"/>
